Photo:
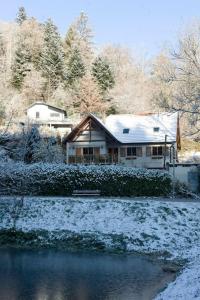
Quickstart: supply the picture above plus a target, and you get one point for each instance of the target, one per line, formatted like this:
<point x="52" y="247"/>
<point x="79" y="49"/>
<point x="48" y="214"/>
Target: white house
<point x="133" y="140"/>
<point x="43" y="114"/>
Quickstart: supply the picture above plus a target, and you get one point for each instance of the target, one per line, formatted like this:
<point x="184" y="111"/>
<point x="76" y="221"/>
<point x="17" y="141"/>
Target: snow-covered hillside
<point x="168" y="229"/>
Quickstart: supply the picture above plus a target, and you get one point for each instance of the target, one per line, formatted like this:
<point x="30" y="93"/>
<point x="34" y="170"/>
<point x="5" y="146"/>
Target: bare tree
<point x="179" y="81"/>
<point x="132" y="90"/>
<point x="87" y="97"/>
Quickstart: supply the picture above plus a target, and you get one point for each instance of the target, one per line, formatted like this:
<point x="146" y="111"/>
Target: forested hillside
<point x="72" y="72"/>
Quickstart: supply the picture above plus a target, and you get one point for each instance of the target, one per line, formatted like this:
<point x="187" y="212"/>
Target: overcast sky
<point x="145" y="25"/>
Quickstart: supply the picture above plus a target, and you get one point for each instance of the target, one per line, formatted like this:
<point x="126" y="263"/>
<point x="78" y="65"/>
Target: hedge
<point x="61" y="179"/>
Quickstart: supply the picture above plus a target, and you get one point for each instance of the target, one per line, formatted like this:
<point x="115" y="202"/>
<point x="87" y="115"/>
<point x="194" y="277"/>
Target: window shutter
<point x="122" y="152"/>
<point x="148" y="151"/>
<point x="139" y="151"/>
<point x="160" y="150"/>
<point x="96" y="151"/>
<point x="78" y="151"/>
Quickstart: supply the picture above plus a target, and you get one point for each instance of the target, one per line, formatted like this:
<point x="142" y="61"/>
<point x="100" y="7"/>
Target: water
<point x="57" y="275"/>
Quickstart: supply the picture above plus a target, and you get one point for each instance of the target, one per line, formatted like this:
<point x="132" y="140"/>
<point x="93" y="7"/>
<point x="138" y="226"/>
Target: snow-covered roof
<point x="143" y="128"/>
<point x="151" y="128"/>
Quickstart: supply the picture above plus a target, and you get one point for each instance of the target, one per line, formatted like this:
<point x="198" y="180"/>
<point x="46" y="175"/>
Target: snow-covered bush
<point x="49" y="151"/>
<point x="61" y="179"/>
<point x="4" y="155"/>
<point x="25" y="145"/>
<point x="30" y="146"/>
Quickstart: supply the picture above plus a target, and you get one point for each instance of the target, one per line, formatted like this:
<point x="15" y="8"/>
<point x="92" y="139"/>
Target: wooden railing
<point x="92" y="159"/>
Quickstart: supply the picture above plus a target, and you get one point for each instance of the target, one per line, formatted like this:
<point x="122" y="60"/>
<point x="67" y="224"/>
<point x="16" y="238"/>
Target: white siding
<point x="72" y="147"/>
<point x="44" y="113"/>
<point x="93" y="135"/>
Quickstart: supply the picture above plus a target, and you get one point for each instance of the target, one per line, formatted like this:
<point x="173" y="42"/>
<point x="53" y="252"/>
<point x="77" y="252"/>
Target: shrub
<point x="60" y="179"/>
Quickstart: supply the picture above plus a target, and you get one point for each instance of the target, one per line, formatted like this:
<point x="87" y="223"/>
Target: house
<point x="43" y="114"/>
<point x="132" y="140"/>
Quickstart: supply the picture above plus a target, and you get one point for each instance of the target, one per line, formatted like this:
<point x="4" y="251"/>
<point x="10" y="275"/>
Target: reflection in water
<point x="57" y="275"/>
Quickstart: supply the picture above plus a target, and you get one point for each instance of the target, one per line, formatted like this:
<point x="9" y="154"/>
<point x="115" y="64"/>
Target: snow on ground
<point x="186" y="286"/>
<point x="146" y="226"/>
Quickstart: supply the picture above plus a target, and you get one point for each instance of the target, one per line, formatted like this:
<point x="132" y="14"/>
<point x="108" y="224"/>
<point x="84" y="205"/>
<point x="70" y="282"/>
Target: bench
<point x="86" y="193"/>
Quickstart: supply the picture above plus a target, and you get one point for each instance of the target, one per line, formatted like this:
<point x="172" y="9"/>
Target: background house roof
<point x="141" y="127"/>
<point x="43" y="103"/>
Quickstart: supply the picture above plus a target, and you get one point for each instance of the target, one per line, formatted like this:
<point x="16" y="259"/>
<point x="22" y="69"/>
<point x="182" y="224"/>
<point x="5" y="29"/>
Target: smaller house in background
<point x="43" y="114"/>
<point x="148" y="141"/>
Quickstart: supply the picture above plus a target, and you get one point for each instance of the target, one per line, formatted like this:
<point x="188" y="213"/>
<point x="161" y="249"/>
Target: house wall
<point x="97" y="140"/>
<point x="144" y="161"/>
<point x="138" y="162"/>
<point x="93" y="135"/>
<point x="44" y="113"/>
<point x="72" y="147"/>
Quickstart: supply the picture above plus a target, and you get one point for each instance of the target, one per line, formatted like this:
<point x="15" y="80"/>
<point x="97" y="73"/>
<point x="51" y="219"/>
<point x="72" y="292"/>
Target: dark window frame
<point x="131" y="151"/>
<point x="157" y="151"/>
<point x="134" y="151"/>
<point x="54" y="114"/>
<point x="88" y="150"/>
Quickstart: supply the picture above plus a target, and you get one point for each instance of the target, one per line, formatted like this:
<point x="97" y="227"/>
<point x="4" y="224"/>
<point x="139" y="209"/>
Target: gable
<point x="90" y="129"/>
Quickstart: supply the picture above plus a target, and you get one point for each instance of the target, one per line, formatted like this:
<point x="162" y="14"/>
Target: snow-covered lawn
<point x="146" y="226"/>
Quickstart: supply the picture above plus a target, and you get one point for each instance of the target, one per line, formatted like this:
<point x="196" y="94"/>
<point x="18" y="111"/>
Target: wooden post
<point x="118" y="155"/>
<point x="67" y="153"/>
<point x="173" y="161"/>
<point x="90" y="130"/>
<point x="165" y="149"/>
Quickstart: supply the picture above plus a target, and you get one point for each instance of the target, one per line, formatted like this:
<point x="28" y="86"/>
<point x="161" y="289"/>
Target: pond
<point x="59" y="275"/>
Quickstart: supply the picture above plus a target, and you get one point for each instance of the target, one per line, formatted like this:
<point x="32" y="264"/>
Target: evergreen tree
<point x="52" y="56"/>
<point x="75" y="67"/>
<point x="70" y="41"/>
<point x="2" y="57"/>
<point x="2" y="113"/>
<point x="48" y="151"/>
<point x="103" y="75"/>
<point x="79" y="36"/>
<point x="21" y="66"/>
<point x="21" y="15"/>
<point x="32" y="140"/>
<point x="2" y="46"/>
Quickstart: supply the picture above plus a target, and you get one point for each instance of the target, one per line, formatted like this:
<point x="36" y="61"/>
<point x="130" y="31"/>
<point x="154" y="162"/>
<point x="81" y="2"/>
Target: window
<point x="126" y="130"/>
<point x="88" y="151"/>
<point x="134" y="151"/>
<point x="156" y="129"/>
<point x="53" y="115"/>
<point x="157" y="151"/>
<point x="131" y="151"/>
<point x="37" y="114"/>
